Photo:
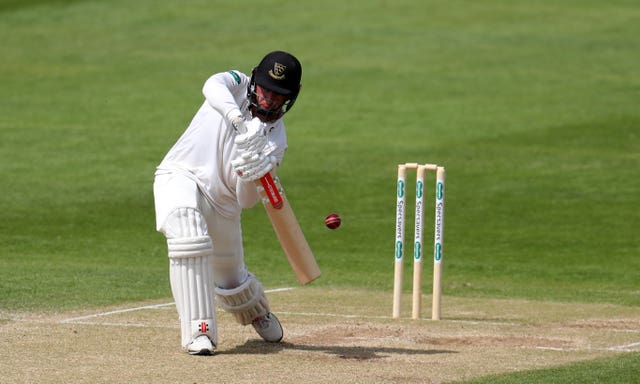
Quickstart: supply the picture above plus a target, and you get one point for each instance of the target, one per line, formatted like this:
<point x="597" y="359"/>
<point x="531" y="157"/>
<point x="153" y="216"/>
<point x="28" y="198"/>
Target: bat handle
<point x="271" y="190"/>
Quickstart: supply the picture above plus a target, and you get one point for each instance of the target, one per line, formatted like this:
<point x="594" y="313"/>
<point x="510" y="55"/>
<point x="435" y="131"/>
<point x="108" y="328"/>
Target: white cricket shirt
<point x="205" y="150"/>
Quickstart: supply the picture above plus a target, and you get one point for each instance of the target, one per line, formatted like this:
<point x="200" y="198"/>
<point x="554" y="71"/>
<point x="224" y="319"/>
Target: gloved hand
<point x="254" y="139"/>
<point x="250" y="167"/>
<point x="239" y="124"/>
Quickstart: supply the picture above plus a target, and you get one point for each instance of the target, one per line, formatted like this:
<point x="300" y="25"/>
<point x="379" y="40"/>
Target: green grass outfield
<point x="531" y="106"/>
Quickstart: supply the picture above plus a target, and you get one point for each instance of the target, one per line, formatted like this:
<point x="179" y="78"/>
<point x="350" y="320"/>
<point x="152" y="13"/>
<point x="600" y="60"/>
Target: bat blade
<point x="290" y="235"/>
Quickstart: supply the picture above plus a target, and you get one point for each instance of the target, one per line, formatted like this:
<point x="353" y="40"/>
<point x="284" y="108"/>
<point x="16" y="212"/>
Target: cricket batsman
<point x="203" y="183"/>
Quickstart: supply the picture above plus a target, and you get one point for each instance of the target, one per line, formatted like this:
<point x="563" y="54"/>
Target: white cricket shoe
<point x="268" y="327"/>
<point x="201" y="345"/>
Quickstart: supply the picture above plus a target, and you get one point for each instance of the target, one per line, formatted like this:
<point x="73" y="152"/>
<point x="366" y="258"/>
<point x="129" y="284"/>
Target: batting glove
<point x="250" y="167"/>
<point x="239" y="125"/>
<point x="254" y="139"/>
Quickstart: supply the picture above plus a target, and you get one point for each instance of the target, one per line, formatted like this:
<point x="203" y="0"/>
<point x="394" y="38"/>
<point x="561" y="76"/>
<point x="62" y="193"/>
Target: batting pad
<point x="191" y="279"/>
<point x="246" y="302"/>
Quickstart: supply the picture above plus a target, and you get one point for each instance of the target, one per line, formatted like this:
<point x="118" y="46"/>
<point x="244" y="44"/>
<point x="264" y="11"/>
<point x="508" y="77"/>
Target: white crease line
<point x="348" y="316"/>
<point x="626" y="347"/>
<point x="344" y="316"/>
<point x="76" y="319"/>
<point x="626" y="330"/>
<point x="480" y="322"/>
<point x="156" y="306"/>
<point x="279" y="290"/>
<point x="559" y="349"/>
<point x="619" y="348"/>
<point x="133" y="325"/>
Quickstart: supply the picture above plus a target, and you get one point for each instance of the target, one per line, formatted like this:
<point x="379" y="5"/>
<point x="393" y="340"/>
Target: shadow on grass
<point x="343" y="352"/>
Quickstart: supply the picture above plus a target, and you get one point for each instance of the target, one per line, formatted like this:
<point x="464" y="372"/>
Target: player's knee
<point x="186" y="232"/>
<point x="184" y="222"/>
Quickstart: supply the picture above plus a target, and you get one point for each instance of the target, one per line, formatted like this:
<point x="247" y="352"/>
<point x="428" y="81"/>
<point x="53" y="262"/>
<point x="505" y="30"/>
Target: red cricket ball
<point x="332" y="221"/>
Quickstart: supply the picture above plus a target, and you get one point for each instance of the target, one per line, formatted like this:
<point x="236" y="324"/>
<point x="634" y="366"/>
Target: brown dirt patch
<point x="331" y="336"/>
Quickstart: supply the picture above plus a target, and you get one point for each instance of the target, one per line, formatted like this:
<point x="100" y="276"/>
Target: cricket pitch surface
<point x="331" y="336"/>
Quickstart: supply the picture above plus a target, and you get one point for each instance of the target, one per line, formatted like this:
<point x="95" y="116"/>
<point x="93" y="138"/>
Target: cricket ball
<point x="332" y="221"/>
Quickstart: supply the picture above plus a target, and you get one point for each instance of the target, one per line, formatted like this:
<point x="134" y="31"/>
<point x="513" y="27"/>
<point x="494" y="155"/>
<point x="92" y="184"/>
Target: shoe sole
<point x="202" y="352"/>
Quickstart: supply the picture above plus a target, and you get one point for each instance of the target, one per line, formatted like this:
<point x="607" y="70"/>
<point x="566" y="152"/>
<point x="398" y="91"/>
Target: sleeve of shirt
<point x="223" y="91"/>
<point x="247" y="193"/>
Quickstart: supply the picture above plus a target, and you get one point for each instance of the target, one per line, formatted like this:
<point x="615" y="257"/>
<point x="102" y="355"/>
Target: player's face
<point x="268" y="100"/>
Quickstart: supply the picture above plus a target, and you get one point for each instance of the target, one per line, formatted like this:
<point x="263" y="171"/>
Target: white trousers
<point x="173" y="191"/>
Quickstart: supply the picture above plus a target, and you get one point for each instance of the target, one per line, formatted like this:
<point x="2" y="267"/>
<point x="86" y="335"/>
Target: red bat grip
<point x="271" y="189"/>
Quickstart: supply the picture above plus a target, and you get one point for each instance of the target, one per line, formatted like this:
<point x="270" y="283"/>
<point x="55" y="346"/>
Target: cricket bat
<point x="288" y="229"/>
